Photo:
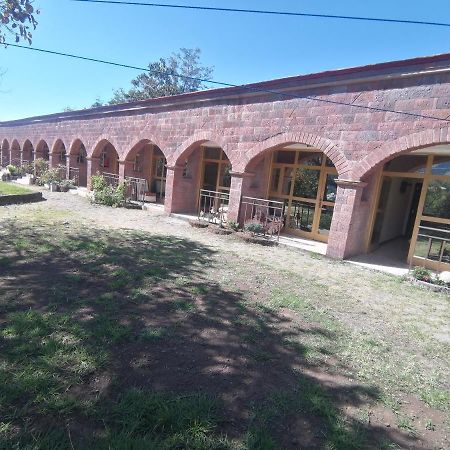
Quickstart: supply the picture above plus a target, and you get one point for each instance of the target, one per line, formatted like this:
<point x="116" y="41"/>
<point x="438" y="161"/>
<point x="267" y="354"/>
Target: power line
<point x="267" y="12"/>
<point x="224" y="84"/>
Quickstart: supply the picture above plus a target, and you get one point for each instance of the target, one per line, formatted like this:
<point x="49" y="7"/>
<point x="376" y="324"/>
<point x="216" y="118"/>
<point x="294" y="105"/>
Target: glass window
<point x="326" y="215"/>
<point x="287" y="181"/>
<point x="437" y="202"/>
<point x="306" y="183"/>
<point x="212" y="153"/>
<point x="441" y="165"/>
<point x="310" y="159"/>
<point x="276" y="173"/>
<point x="160" y="167"/>
<point x="225" y="177"/>
<point x="301" y="216"/>
<point x="285" y="157"/>
<point x="329" y="194"/>
<point x="407" y="163"/>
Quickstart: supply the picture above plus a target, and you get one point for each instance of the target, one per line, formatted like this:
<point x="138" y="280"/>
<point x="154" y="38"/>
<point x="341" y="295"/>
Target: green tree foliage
<point x="17" y="17"/>
<point x="160" y="80"/>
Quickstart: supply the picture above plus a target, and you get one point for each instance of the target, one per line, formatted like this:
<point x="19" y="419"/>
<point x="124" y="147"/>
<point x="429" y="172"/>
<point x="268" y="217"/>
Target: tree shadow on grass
<point x="119" y="339"/>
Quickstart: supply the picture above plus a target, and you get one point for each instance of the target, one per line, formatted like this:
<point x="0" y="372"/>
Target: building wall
<point x="249" y="125"/>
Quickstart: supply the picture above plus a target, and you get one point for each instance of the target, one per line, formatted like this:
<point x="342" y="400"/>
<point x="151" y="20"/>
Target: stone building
<point x="358" y="157"/>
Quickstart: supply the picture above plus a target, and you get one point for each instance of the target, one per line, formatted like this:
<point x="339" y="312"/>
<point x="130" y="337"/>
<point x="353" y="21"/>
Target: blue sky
<point x="242" y="48"/>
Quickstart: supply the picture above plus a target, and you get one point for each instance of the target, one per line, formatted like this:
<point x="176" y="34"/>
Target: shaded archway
<point x="410" y="214"/>
<point x="299" y="178"/>
<point x="5" y="153"/>
<point x="77" y="161"/>
<point x="105" y="161"/>
<point x="203" y="165"/>
<point x="146" y="171"/>
<point x="28" y="152"/>
<point x="59" y="154"/>
<point x="42" y="150"/>
<point x="15" y="153"/>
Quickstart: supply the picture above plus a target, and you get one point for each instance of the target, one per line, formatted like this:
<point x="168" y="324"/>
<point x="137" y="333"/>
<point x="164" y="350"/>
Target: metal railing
<point x="431" y="246"/>
<point x="136" y="188"/>
<point x="111" y="179"/>
<point x="74" y="175"/>
<point x="213" y="206"/>
<point x="268" y="214"/>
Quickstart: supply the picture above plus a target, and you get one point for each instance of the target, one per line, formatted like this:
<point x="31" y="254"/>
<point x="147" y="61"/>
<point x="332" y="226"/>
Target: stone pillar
<point x="348" y="227"/>
<point x="70" y="159"/>
<point x="53" y="159"/>
<point x="92" y="169"/>
<point x="21" y="157"/>
<point x="174" y="198"/>
<point x="122" y="165"/>
<point x="238" y="182"/>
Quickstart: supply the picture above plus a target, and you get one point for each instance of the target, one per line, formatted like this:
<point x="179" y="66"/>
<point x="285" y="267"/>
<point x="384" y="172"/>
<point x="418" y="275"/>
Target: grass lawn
<point x="11" y="188"/>
<point x="121" y="339"/>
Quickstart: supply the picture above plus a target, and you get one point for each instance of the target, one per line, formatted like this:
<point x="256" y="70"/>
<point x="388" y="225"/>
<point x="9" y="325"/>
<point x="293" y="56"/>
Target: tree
<point x="17" y="17"/>
<point x="161" y="81"/>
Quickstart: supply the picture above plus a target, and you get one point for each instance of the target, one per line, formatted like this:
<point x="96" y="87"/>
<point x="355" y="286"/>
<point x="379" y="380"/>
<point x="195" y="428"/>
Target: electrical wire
<point x="229" y="85"/>
<point x="267" y="12"/>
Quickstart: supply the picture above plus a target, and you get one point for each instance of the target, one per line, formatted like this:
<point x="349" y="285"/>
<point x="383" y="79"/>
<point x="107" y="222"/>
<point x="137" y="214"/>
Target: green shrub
<point x="13" y="170"/>
<point x="50" y="176"/>
<point x="254" y="227"/>
<point x="233" y="225"/>
<point x="41" y="166"/>
<point x="422" y="274"/>
<point x="105" y="194"/>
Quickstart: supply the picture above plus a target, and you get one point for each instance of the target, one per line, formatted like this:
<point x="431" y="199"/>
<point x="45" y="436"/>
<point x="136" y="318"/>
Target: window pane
<point x="287" y="181"/>
<point x="441" y="165"/>
<point x="285" y="157"/>
<point x="276" y="173"/>
<point x="330" y="188"/>
<point x="437" y="202"/>
<point x="326" y="215"/>
<point x="212" y="153"/>
<point x="301" y="216"/>
<point x="407" y="163"/>
<point x="310" y="159"/>
<point x="225" y="177"/>
<point x="306" y="183"/>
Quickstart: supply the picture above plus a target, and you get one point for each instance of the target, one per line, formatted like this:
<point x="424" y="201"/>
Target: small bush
<point x="254" y="228"/>
<point x="233" y="225"/>
<point x="422" y="274"/>
<point x="41" y="166"/>
<point x="105" y="194"/>
<point x="13" y="170"/>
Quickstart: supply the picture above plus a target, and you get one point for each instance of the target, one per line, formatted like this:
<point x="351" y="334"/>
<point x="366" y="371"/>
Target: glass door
<point x="306" y="181"/>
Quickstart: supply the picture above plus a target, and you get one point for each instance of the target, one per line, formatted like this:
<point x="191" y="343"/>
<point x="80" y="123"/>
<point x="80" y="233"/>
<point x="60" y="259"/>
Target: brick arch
<point x="139" y="143"/>
<point x="3" y="144"/>
<point x="40" y="145"/>
<point x="96" y="149"/>
<point x="280" y="140"/>
<point x="401" y="145"/>
<point x="189" y="144"/>
<point x="15" y="145"/>
<point x="95" y="143"/>
<point x="75" y="145"/>
<point x="57" y="145"/>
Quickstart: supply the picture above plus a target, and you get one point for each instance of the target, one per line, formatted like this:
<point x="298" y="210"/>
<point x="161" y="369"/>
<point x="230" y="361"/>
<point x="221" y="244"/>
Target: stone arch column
<point x="174" y="201"/>
<point x="348" y="228"/>
<point x="239" y="182"/>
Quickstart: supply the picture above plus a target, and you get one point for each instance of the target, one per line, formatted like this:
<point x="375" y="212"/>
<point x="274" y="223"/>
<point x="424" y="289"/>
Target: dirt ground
<point x="302" y="352"/>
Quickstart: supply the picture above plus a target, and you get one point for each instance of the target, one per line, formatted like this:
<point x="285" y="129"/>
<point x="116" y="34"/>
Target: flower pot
<point x="54" y="187"/>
